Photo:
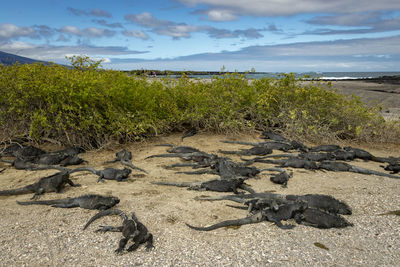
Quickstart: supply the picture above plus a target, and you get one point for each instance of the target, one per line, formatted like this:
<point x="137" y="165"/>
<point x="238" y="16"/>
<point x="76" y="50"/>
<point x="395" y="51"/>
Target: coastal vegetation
<point x="89" y="106"/>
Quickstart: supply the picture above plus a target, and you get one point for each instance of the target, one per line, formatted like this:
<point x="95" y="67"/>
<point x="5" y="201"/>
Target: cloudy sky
<point x="267" y="35"/>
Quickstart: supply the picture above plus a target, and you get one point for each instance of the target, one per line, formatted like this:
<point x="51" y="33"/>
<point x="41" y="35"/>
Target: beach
<point x="46" y="236"/>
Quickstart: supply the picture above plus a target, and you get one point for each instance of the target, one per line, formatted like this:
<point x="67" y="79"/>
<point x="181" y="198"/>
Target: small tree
<point x="83" y="62"/>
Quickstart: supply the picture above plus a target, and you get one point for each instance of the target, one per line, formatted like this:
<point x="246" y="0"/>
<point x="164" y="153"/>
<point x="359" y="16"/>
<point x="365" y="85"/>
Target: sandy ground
<point x="42" y="235"/>
<point x="46" y="236"/>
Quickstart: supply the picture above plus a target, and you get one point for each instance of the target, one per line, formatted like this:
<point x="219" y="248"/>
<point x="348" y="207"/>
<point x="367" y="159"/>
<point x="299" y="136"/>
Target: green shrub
<point x="89" y="106"/>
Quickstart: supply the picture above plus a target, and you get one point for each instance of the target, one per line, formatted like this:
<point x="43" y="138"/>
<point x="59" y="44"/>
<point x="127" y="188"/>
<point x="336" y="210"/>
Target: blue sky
<point x="267" y="35"/>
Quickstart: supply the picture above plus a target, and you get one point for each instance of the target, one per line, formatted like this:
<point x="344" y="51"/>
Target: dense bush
<point x="89" y="106"/>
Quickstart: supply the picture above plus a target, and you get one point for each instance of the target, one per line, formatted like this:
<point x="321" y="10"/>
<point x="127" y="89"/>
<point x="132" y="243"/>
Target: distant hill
<point x="10" y="59"/>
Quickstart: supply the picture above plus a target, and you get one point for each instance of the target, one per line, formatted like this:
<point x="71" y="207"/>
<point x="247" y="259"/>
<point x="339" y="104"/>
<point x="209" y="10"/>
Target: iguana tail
<point x="183" y="184"/>
<point x="368" y="171"/>
<point x="239" y="142"/>
<point x="258" y="217"/>
<point x="42" y="202"/>
<point x="169" y="155"/>
<point x="18" y="191"/>
<point x="229" y="152"/>
<point x="129" y="164"/>
<point x="106" y="213"/>
<point x="81" y="169"/>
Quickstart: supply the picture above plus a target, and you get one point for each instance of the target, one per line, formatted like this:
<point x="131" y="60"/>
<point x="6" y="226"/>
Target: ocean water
<point x="321" y="75"/>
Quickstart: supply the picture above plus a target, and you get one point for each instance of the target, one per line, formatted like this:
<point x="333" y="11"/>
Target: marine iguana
<point x="72" y="160"/>
<point x="227" y="169"/>
<point x="201" y="160"/>
<point x="190" y="132"/>
<point x="279" y="138"/>
<point x="342" y="166"/>
<point x="10" y="149"/>
<point x="132" y="230"/>
<point x="22" y="164"/>
<point x="119" y="175"/>
<point x="228" y="185"/>
<point x="178" y="151"/>
<point x="392" y="167"/>
<point x="323" y="202"/>
<point x="92" y="202"/>
<point x="284" y="212"/>
<point x="311" y="156"/>
<point x="52" y="183"/>
<point x="273" y="136"/>
<point x="64" y="157"/>
<point x="291" y="162"/>
<point x="271" y="144"/>
<point x="324" y="148"/>
<point x="28" y="152"/>
<point x="257" y="150"/>
<point x="125" y="157"/>
<point x="321" y="219"/>
<point x="281" y="178"/>
<point x="365" y="155"/>
<point x="71" y="151"/>
<point x="53" y="158"/>
<point x="318" y="201"/>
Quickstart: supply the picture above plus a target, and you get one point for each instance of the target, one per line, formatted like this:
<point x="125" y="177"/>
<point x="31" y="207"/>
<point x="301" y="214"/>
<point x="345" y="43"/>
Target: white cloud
<point x="9" y="31"/>
<point x="58" y="53"/>
<point x="291" y="7"/>
<point x="71" y="30"/>
<point x="136" y="34"/>
<point x="96" y="12"/>
<point x="145" y="19"/>
<point x="183" y="30"/>
<point x="163" y="27"/>
<point x="220" y="15"/>
<point x="88" y="32"/>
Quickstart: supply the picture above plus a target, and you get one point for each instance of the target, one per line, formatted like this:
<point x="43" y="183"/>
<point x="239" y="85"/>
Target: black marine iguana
<point x="29" y="157"/>
<point x="52" y="183"/>
<point x="131" y="229"/>
<point x="257" y="150"/>
<point x="392" y="167"/>
<point x="27" y="152"/>
<point x="125" y="157"/>
<point x="227" y="169"/>
<point x="365" y="155"/>
<point x="190" y="132"/>
<point x="271" y="144"/>
<point x="342" y="166"/>
<point x="22" y="164"/>
<point x="320" y="211"/>
<point x="11" y="149"/>
<point x="264" y="200"/>
<point x="108" y="173"/>
<point x="290" y="162"/>
<point x="281" y="178"/>
<point x="273" y="136"/>
<point x="284" y="212"/>
<point x="177" y="151"/>
<point x="92" y="202"/>
<point x="321" y="219"/>
<point x="227" y="185"/>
